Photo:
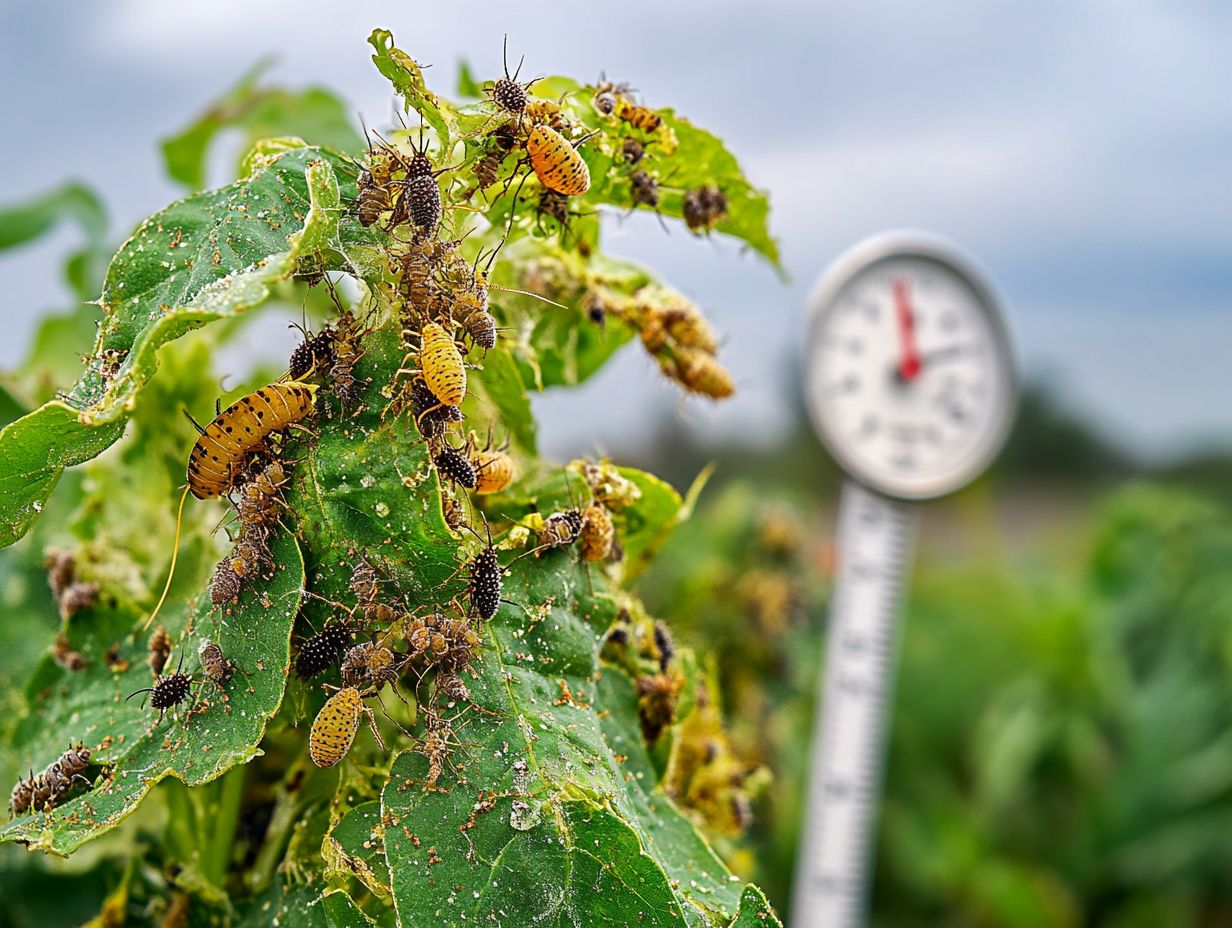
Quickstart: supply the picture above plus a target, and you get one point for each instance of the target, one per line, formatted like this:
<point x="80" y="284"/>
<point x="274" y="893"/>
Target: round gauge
<point x="910" y="377"/>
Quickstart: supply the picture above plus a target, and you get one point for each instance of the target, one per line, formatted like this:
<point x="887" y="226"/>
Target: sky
<point x="1079" y="150"/>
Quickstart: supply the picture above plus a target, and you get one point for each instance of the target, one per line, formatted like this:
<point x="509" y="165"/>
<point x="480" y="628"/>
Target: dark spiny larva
<point x="509" y="95"/>
<point x="324" y="649"/>
<point x="170" y="691"/>
<point x="423" y="201"/>
<point x="455" y="467"/>
<point x="487" y="581"/>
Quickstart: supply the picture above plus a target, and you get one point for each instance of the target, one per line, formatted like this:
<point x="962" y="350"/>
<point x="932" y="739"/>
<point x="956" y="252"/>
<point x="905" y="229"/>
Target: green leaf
<point x="135" y="753"/>
<point x="74" y="201"/>
<point x="204" y="258"/>
<point x="342" y="912"/>
<point x="355" y="846"/>
<point x="755" y="911"/>
<point x="646" y="524"/>
<point x="555" y="819"/>
<point x="468" y="85"/>
<point x="259" y="112"/>
<point x="401" y="70"/>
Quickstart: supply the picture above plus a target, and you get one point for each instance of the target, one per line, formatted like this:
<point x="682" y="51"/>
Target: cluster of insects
<point x="407" y="196"/>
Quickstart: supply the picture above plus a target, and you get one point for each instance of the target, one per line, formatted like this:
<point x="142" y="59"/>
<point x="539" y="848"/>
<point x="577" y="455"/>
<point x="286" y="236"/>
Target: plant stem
<point x="218" y="848"/>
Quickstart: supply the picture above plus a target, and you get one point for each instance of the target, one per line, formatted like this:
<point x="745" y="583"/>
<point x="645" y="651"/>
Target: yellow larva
<point x="217" y="459"/>
<point x="494" y="471"/>
<point x="441" y="363"/>
<point x="556" y="163"/>
<point x="334" y="729"/>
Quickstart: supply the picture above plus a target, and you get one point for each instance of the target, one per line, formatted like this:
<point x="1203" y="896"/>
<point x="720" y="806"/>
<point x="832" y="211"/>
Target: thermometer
<point x="911" y="386"/>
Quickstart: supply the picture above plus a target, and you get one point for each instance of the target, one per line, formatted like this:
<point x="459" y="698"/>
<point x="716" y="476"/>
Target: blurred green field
<point x="1061" y="748"/>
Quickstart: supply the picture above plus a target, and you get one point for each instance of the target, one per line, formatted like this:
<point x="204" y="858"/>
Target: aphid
<point x="346" y="353"/>
<point x="373" y="664"/>
<point x="632" y="150"/>
<point x="260" y="497"/>
<point x="442" y="366"/>
<point x="700" y="372"/>
<point x="447" y="641"/>
<point x="592" y="302"/>
<point x="454" y="466"/>
<point x="560" y="529"/>
<point x="159" y="650"/>
<point x="324" y="649"/>
<point x="218" y="457"/>
<point x="225" y="585"/>
<point x="596" y="533"/>
<point x="494" y="468"/>
<point x="663" y="641"/>
<point x="375" y="192"/>
<point x="167" y="692"/>
<point x="470" y="310"/>
<point x="645" y="189"/>
<point x="70" y="594"/>
<point x="250" y="554"/>
<point x="65" y="657"/>
<point x="556" y="162"/>
<point x="216" y="666"/>
<point x="364" y="583"/>
<point x="435" y="746"/>
<point x="608" y="485"/>
<point x="334" y="729"/>
<point x="453" y="686"/>
<point x="704" y="208"/>
<point x="506" y="92"/>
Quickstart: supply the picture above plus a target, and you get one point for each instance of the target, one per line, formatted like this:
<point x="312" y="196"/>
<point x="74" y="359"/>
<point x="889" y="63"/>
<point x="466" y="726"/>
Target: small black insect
<point x="663" y="641"/>
<point x="487" y="579"/>
<point x="455" y="467"/>
<point x="168" y="691"/>
<point x="324" y="649"/>
<point x="645" y="189"/>
<point x="633" y="150"/>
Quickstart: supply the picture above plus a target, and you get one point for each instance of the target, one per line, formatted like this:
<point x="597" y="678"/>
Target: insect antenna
<point x="175" y="554"/>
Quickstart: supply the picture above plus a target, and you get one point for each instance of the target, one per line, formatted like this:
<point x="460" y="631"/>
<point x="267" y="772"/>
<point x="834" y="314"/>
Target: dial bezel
<point x="914" y="245"/>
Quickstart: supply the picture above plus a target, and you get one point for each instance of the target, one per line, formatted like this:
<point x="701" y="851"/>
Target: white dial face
<point x="910" y="381"/>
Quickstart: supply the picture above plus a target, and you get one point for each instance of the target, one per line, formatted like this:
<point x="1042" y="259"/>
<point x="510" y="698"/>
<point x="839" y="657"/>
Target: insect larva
<point x="324" y="649"/>
<point x="442" y="366"/>
<point x="495" y="470"/>
<point x="698" y="371"/>
<point x="470" y="310"/>
<point x="168" y="691"/>
<point x="159" y="650"/>
<point x="454" y="466"/>
<point x="334" y="728"/>
<point x="556" y="162"/>
<point x="217" y="459"/>
<point x="217" y="667"/>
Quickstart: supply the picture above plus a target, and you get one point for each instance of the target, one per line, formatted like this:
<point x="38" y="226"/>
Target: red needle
<point x="909" y="357"/>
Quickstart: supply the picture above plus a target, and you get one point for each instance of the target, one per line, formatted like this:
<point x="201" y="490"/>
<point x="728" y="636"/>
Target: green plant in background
<point x="529" y="779"/>
<point x="1061" y="745"/>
